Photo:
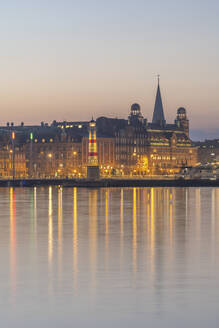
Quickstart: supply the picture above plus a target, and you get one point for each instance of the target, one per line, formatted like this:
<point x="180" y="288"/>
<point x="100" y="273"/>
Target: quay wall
<point x="102" y="183"/>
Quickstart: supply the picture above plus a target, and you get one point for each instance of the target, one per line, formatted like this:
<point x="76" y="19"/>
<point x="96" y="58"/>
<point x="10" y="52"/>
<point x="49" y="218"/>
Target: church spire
<point x="158" y="115"/>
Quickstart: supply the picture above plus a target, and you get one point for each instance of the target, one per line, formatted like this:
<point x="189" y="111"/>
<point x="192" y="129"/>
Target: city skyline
<point x="69" y="61"/>
<point x="109" y="163"/>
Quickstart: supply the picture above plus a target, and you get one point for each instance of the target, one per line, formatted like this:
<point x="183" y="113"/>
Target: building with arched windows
<point x="125" y="147"/>
<point x="155" y="148"/>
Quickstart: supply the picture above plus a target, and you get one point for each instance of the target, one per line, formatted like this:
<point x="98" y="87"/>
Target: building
<point x="125" y="147"/>
<point x="155" y="148"/>
<point x="208" y="151"/>
<point x="12" y="156"/>
<point x="53" y="153"/>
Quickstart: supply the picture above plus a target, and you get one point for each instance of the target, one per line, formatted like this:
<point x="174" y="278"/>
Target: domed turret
<point x="135" y="117"/>
<point x="181" y="120"/>
<point x="135" y="108"/>
<point x="181" y="112"/>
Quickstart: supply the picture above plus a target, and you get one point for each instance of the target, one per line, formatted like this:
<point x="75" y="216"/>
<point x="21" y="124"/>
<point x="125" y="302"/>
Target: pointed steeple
<point x="158" y="115"/>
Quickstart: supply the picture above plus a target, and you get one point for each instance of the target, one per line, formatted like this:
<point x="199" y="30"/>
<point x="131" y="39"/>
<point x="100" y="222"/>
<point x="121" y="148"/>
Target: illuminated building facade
<point x="12" y="157"/>
<point x="52" y="153"/>
<point x="7" y="163"/>
<point x="155" y="148"/>
<point x="110" y="146"/>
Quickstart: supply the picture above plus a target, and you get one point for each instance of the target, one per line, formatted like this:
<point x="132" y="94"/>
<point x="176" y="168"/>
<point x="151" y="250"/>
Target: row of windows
<point x="144" y="140"/>
<point x="130" y="141"/>
<point x="43" y="140"/>
<point x="162" y="157"/>
<point x="70" y="126"/>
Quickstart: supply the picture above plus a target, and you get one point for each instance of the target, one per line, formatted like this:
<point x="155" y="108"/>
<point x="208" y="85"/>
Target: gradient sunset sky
<point x="69" y="60"/>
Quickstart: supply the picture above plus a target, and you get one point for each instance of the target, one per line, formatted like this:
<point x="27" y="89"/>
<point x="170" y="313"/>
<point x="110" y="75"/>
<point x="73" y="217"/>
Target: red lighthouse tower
<point x="93" y="167"/>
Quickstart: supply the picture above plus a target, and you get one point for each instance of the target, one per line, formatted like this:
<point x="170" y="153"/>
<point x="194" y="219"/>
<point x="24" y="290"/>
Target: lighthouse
<point x="92" y="167"/>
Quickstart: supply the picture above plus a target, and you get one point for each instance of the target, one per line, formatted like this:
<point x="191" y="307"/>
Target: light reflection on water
<point x="13" y="244"/>
<point x="75" y="237"/>
<point x="112" y="256"/>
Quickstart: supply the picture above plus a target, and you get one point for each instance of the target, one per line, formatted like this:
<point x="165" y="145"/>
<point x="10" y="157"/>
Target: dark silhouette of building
<point x="158" y="115"/>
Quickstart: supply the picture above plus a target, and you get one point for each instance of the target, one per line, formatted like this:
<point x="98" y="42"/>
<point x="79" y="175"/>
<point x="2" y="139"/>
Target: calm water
<point x="131" y="257"/>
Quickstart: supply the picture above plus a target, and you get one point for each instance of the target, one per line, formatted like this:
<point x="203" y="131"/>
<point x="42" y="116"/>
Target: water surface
<point x="125" y="257"/>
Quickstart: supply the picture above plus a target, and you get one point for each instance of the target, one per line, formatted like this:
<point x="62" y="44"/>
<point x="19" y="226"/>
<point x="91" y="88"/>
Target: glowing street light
<point x="31" y="153"/>
<point x="13" y="154"/>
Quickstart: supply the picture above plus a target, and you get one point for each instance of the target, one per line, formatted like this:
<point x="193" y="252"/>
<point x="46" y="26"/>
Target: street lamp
<point x="31" y="153"/>
<point x="50" y="169"/>
<point x="13" y="154"/>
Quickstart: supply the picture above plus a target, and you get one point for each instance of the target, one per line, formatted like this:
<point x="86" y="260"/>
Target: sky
<point x="69" y="60"/>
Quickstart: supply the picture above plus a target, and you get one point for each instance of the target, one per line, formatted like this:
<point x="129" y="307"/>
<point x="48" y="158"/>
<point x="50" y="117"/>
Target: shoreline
<point x="103" y="183"/>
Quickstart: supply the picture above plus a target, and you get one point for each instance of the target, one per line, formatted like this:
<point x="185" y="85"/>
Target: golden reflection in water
<point x="107" y="213"/>
<point x="13" y="243"/>
<point x="60" y="229"/>
<point x="93" y="234"/>
<point x="198" y="211"/>
<point x="50" y="228"/>
<point x="35" y="210"/>
<point x="138" y="199"/>
<point x="106" y="226"/>
<point x="217" y="211"/>
<point x="148" y="214"/>
<point x="217" y="202"/>
<point x="167" y="202"/>
<point x="187" y="205"/>
<point x="171" y="201"/>
<point x="32" y="228"/>
<point x="152" y="228"/>
<point x="213" y="194"/>
<point x="144" y="204"/>
<point x="75" y="236"/>
<point x="134" y="241"/>
<point x="121" y="225"/>
<point x="33" y="217"/>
